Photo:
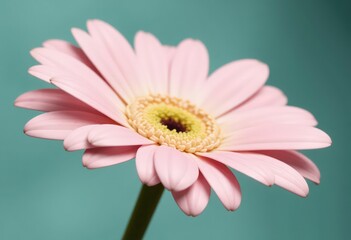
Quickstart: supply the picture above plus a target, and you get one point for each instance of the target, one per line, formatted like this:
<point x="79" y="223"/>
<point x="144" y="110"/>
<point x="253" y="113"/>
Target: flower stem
<point x="143" y="211"/>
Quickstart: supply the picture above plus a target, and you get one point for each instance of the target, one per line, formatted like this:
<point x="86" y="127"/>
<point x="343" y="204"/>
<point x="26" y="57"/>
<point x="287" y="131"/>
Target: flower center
<point x="174" y="122"/>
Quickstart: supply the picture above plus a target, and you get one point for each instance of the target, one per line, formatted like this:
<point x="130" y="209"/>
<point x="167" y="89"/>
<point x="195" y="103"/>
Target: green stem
<point x="143" y="211"/>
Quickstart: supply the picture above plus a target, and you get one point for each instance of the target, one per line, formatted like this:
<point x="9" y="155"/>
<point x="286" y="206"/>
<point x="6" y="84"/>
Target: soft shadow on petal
<point x="169" y="52"/>
<point x="243" y="164"/>
<point x="189" y="70"/>
<point x="267" y="96"/>
<point x="153" y="62"/>
<point x="193" y="200"/>
<point x="298" y="161"/>
<point x="92" y="95"/>
<point x="69" y="49"/>
<point x="276" y="137"/>
<point x="78" y="139"/>
<point x="176" y="170"/>
<point x="232" y="84"/>
<point x="144" y="161"/>
<point x="80" y="81"/>
<point x="49" y="100"/>
<point x="57" y="125"/>
<point x="107" y="156"/>
<point x="109" y="135"/>
<point x="223" y="182"/>
<point x="111" y="54"/>
<point x="285" y="176"/>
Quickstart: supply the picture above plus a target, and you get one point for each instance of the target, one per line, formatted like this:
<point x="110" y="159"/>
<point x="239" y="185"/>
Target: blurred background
<point x="45" y="193"/>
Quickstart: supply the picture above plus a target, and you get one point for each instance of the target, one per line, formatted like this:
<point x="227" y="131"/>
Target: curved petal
<point x="61" y="63"/>
<point x="284" y="175"/>
<point x="223" y="182"/>
<point x="176" y="170"/>
<point x="69" y="49"/>
<point x="44" y="73"/>
<point x="78" y="138"/>
<point x="111" y="54"/>
<point x="244" y="164"/>
<point x="298" y="161"/>
<point x="189" y="69"/>
<point x="232" y="84"/>
<point x="98" y="96"/>
<point x="109" y="135"/>
<point x="107" y="156"/>
<point x="267" y="96"/>
<point x="77" y="79"/>
<point x="145" y="165"/>
<point x="57" y="125"/>
<point x="123" y="57"/>
<point x="58" y="62"/>
<point x="48" y="100"/>
<point x="194" y="199"/>
<point x="153" y="61"/>
<point x="169" y="52"/>
<point x="235" y="121"/>
<point x="276" y="137"/>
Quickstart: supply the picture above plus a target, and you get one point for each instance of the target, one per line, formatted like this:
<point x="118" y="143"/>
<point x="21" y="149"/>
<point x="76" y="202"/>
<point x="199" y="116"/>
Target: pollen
<point x="174" y="122"/>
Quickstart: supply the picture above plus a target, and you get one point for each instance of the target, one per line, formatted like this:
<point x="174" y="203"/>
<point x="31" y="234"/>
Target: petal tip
<point x="327" y="139"/>
<point x="303" y="192"/>
<point x="77" y="31"/>
<point x="18" y="101"/>
<point x="98" y="21"/>
<point x="305" y="195"/>
<point x="36" y="51"/>
<point x="32" y="69"/>
<point x="67" y="148"/>
<point x="51" y="42"/>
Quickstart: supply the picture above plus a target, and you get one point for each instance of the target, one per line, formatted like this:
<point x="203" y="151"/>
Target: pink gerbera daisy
<point x="157" y="104"/>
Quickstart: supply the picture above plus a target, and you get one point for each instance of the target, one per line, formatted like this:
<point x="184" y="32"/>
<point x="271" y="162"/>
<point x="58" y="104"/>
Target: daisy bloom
<point x="185" y="128"/>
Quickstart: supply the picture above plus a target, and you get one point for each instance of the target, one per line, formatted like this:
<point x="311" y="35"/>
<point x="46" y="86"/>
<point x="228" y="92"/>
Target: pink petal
<point x="298" y="161"/>
<point x="223" y="182"/>
<point x="101" y="56"/>
<point x="48" y="100"/>
<point x="153" y="61"/>
<point x="107" y="156"/>
<point x="80" y="81"/>
<point x="176" y="170"/>
<point x="194" y="199"/>
<point x="57" y="125"/>
<point x="232" y="84"/>
<point x="109" y="135"/>
<point x="78" y="138"/>
<point x="60" y="63"/>
<point x="235" y="121"/>
<point x="276" y="137"/>
<point x="100" y="96"/>
<point x="189" y="69"/>
<point x="44" y="72"/>
<point x="267" y="96"/>
<point x="169" y="52"/>
<point x="145" y="165"/>
<point x="123" y="56"/>
<point x="284" y="175"/>
<point x="244" y="164"/>
<point x="69" y="49"/>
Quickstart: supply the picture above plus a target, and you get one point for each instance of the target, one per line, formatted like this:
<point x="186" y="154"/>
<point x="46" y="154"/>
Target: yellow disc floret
<point x="173" y="122"/>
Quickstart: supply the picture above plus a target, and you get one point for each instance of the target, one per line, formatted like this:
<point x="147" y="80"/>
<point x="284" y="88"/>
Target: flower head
<point x="159" y="105"/>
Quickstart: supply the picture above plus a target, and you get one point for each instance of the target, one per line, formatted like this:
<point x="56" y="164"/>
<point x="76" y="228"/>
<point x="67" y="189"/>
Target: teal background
<point x="45" y="193"/>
